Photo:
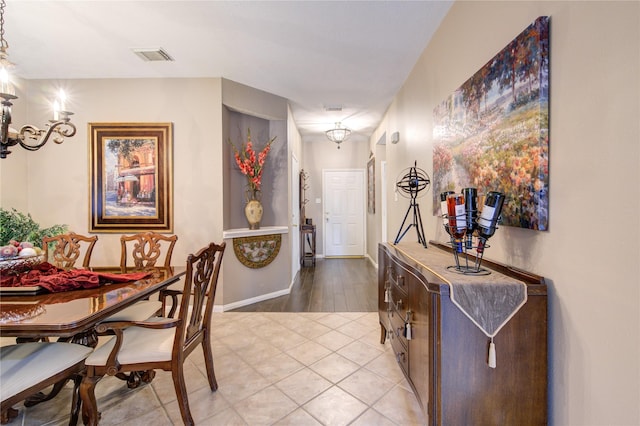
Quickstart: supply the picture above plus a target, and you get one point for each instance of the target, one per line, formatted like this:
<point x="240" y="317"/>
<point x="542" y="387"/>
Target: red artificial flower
<point x="247" y="162"/>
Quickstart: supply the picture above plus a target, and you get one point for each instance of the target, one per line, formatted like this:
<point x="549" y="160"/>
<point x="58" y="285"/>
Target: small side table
<point x="308" y="244"/>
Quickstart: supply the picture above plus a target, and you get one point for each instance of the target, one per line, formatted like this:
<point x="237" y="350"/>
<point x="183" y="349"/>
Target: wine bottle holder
<point x="467" y="253"/>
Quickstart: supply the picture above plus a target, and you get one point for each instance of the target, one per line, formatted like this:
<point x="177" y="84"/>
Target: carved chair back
<point x="146" y="249"/>
<point x="68" y="248"/>
<point x="196" y="306"/>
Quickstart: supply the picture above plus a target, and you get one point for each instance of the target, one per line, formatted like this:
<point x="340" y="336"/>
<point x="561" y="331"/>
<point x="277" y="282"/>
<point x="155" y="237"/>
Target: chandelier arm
<point x="58" y="129"/>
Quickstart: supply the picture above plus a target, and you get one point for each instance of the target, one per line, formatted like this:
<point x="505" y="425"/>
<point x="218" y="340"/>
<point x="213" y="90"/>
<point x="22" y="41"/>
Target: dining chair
<point x="160" y="342"/>
<point x="146" y="249"/>
<point x="68" y="248"/>
<point x="28" y="368"/>
<point x="143" y="250"/>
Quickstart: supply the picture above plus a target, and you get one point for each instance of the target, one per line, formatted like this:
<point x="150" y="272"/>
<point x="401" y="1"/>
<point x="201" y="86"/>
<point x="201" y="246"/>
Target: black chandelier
<point x="29" y="137"/>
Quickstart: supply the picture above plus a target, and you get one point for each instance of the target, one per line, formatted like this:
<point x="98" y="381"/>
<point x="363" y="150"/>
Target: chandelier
<point x="339" y="134"/>
<point x="29" y="137"/>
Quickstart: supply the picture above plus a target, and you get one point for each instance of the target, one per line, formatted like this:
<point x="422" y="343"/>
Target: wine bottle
<point x="471" y="212"/>
<point x="489" y="218"/>
<point x="457" y="219"/>
<point x="444" y="209"/>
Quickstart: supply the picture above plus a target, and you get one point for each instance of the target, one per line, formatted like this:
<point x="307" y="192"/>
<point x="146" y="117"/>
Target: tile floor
<point x="272" y="369"/>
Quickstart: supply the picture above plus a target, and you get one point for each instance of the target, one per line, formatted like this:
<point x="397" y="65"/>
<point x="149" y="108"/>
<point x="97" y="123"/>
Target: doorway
<point x="344" y="207"/>
<point x="295" y="217"/>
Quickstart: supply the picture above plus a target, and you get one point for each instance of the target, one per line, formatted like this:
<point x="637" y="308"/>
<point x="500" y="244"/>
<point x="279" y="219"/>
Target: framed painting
<point x="131" y="177"/>
<point x="371" y="185"/>
<point x="492" y="133"/>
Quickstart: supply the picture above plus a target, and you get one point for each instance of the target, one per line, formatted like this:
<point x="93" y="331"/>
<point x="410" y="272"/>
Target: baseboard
<point x="251" y="301"/>
<point x="375" y="265"/>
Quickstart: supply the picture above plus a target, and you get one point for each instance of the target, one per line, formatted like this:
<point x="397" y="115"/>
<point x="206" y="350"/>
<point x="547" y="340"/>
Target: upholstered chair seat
<point x="139" y="311"/>
<point x="28" y="368"/>
<point x="139" y="345"/>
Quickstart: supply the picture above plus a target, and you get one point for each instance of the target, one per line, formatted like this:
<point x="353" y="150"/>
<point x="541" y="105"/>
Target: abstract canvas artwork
<point x="492" y="133"/>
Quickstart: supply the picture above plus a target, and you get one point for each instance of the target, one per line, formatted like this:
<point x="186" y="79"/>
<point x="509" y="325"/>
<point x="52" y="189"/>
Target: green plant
<point x="21" y="227"/>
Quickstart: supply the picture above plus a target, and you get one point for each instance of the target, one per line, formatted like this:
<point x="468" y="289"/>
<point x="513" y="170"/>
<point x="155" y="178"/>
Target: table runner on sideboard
<point x="489" y="301"/>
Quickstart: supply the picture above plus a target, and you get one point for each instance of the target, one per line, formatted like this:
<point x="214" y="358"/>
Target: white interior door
<point x="295" y="217"/>
<point x="344" y="221"/>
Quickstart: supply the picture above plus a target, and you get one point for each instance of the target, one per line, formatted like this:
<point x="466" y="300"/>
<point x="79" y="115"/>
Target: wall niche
<point x="274" y="188"/>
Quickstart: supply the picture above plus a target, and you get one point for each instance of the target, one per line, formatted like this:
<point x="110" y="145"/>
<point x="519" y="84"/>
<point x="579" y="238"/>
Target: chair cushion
<point x="138" y="345"/>
<point x="27" y="364"/>
<point x="139" y="311"/>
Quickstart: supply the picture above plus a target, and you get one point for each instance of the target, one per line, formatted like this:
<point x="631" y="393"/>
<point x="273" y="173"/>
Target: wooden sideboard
<point x="445" y="358"/>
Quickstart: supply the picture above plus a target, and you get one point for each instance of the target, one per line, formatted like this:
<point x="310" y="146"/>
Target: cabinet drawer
<point x="401" y="353"/>
<point x="397" y="327"/>
<point x="397" y="277"/>
<point x="398" y="303"/>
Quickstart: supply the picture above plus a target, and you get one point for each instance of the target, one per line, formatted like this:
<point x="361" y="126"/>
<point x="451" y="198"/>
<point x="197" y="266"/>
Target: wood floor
<point x="332" y="285"/>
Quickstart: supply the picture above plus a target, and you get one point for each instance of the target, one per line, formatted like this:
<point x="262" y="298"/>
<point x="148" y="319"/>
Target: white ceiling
<point x="315" y="53"/>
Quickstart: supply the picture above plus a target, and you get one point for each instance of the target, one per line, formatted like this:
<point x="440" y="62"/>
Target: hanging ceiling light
<point x="29" y="137"/>
<point x="339" y="134"/>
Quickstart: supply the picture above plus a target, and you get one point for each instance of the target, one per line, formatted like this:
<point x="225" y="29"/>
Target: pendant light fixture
<point x="338" y="134"/>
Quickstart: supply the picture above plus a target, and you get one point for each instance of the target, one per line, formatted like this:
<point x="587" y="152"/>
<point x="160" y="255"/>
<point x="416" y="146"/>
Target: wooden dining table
<point x="73" y="315"/>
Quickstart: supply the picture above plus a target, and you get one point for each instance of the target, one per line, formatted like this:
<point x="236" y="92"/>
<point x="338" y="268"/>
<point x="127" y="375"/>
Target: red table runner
<point x="56" y="280"/>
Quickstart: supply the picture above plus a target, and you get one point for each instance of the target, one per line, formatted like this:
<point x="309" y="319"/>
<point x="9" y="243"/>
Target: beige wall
<point x="591" y="260"/>
<point x="52" y="184"/>
<point x="58" y="175"/>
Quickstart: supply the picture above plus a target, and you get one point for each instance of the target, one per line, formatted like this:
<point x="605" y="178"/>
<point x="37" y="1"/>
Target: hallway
<point x="332" y="285"/>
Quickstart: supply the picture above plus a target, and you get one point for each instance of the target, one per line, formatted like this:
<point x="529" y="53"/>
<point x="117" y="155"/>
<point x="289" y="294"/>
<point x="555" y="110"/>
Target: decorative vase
<point x="253" y="210"/>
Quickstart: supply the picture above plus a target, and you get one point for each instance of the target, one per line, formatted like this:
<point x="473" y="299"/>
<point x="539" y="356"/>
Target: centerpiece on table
<point x="251" y="165"/>
<point x="21" y="239"/>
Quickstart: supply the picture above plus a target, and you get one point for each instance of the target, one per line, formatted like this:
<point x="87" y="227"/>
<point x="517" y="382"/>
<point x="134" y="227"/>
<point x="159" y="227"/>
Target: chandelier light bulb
<point x="6" y="88"/>
<point x="62" y="99"/>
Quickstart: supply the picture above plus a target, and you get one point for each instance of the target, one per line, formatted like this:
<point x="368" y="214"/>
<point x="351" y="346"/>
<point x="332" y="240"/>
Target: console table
<point x="308" y="232"/>
<point x="445" y="350"/>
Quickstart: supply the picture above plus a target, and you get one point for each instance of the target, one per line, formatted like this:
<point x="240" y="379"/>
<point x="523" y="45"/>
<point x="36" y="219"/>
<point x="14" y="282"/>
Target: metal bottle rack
<point x="468" y="259"/>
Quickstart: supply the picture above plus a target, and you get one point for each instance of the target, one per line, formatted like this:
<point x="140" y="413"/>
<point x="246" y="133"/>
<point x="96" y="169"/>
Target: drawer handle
<point x="400" y="357"/>
<point x="398" y="280"/>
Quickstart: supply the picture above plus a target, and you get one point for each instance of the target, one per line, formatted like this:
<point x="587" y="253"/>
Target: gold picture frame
<point x="131" y="177"/>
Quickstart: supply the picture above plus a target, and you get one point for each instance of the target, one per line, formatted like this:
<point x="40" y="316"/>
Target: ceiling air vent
<point x="153" y="54"/>
<point x="331" y="108"/>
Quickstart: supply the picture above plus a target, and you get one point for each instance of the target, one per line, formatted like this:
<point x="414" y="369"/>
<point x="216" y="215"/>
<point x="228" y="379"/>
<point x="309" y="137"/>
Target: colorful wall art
<point x="492" y="133"/>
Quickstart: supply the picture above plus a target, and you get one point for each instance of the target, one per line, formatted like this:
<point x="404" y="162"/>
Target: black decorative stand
<point x="411" y="183"/>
